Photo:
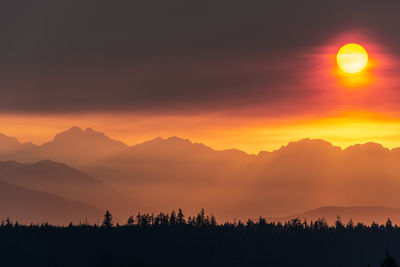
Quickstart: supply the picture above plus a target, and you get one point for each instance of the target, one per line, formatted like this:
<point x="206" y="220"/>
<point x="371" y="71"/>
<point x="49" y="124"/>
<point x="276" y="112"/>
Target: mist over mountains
<point x="64" y="181"/>
<point x="165" y="174"/>
<point x="11" y="145"/>
<point x="73" y="146"/>
<point x="29" y="206"/>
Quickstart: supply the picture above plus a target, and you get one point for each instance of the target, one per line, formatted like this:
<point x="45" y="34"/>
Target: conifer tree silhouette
<point x="108" y="220"/>
<point x="172" y="218"/>
<point x="202" y="233"/>
<point x="338" y="223"/>
<point x="213" y="221"/>
<point x="350" y="224"/>
<point x="200" y="219"/>
<point x="180" y="217"/>
<point x="389" y="224"/>
<point x="130" y="221"/>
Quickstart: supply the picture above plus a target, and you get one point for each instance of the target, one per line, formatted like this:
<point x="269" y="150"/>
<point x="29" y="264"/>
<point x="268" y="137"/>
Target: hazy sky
<point x="247" y="74"/>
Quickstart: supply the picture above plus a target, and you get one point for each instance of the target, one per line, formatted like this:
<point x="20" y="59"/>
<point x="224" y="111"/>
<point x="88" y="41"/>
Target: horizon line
<point x="84" y="130"/>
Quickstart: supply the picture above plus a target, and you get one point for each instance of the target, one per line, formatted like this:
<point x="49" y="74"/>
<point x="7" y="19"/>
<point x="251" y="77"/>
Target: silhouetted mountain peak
<point x="85" y="141"/>
<point x="49" y="163"/>
<point x="369" y="147"/>
<point x="4" y="139"/>
<point x="8" y="139"/>
<point x="91" y="132"/>
<point x="76" y="133"/>
<point x="175" y="139"/>
<point x="308" y="145"/>
<point x="310" y="142"/>
<point x="75" y="129"/>
<point x="73" y="146"/>
<point x="173" y="142"/>
<point x="11" y="144"/>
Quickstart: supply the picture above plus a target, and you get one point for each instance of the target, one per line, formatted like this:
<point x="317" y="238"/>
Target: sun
<point x="352" y="58"/>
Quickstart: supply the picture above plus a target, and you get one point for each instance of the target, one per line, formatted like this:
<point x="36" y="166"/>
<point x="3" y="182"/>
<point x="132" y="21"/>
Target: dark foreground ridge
<point x="173" y="240"/>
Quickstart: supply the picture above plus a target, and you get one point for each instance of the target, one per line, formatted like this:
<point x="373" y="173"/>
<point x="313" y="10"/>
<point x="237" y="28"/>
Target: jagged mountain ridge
<point x="74" y="146"/>
<point x="174" y="172"/>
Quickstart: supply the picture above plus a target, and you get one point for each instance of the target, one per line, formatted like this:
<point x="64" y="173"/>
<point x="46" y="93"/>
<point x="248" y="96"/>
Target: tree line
<point x="163" y="219"/>
<point x="172" y="239"/>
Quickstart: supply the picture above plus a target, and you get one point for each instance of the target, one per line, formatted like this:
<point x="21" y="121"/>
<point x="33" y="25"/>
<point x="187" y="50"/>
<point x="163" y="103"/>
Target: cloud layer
<point x="174" y="56"/>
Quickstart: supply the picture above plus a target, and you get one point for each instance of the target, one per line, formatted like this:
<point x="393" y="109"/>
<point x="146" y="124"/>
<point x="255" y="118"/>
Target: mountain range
<point x="74" y="146"/>
<point x="62" y="180"/>
<point x="29" y="206"/>
<point x="11" y="144"/>
<point x="164" y="174"/>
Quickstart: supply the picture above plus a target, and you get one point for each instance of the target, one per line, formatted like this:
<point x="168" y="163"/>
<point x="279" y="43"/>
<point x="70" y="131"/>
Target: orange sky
<point x="218" y="131"/>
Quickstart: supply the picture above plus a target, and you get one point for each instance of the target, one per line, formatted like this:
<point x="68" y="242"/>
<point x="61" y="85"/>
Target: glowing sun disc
<point x="352" y="58"/>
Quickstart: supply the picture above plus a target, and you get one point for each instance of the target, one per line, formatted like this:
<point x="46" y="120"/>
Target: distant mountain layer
<point x="165" y="174"/>
<point x="11" y="145"/>
<point x="170" y="173"/>
<point x="356" y="214"/>
<point x="62" y="180"/>
<point x="73" y="146"/>
<point x="26" y="206"/>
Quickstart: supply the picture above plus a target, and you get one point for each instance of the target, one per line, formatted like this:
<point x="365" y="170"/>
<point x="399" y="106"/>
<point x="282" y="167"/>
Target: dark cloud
<point x="170" y="56"/>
